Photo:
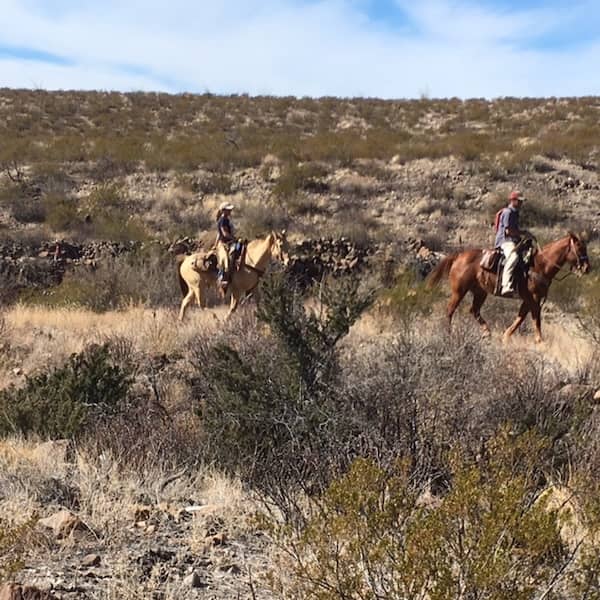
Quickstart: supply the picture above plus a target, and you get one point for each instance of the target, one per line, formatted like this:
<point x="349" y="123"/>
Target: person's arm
<point x="512" y="224"/>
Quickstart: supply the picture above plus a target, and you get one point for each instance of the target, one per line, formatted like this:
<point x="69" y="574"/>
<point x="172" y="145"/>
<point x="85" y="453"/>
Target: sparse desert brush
<point x="297" y="178"/>
<point x="258" y="219"/>
<point x="356" y="186"/>
<point x="14" y="541"/>
<point x="146" y="277"/>
<point x="214" y="183"/>
<point x="490" y="534"/>
<point x="409" y="297"/>
<point x="60" y="212"/>
<point x="61" y="402"/>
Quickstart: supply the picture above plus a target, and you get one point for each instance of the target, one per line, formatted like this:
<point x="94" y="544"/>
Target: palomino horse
<point x="195" y="281"/>
<point x="467" y="275"/>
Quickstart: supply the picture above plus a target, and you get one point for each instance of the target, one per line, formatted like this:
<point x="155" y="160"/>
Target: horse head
<point x="577" y="255"/>
<point x="280" y="247"/>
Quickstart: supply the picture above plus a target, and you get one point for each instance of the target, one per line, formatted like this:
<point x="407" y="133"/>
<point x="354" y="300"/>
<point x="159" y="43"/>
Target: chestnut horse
<point x="467" y="275"/>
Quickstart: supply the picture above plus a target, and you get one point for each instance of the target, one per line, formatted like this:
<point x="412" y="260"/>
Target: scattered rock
<point x="13" y="591"/>
<point x="142" y="513"/>
<point x="218" y="539"/>
<point x="91" y="560"/>
<point x="193" y="580"/>
<point x="572" y="392"/>
<point x="596" y="396"/>
<point x="62" y="523"/>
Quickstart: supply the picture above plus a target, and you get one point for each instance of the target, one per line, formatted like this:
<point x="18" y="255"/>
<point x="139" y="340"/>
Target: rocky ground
<point x="186" y="535"/>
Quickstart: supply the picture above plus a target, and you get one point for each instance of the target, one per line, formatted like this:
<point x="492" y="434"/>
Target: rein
<point x="260" y="272"/>
<point x="580" y="261"/>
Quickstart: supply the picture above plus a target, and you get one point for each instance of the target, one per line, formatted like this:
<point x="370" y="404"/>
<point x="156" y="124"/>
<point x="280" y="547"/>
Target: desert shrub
<point x="258" y="219"/>
<point x="575" y="294"/>
<point x="61" y="402"/>
<point x="14" y="540"/>
<point x="489" y="536"/>
<point x="540" y="213"/>
<point x="409" y="297"/>
<point x="303" y="204"/>
<point x="147" y="276"/>
<point x="352" y="224"/>
<point x="214" y="183"/>
<point x="303" y="177"/>
<point x="60" y="212"/>
<point x="265" y="410"/>
<point x="117" y="226"/>
<point x="23" y="205"/>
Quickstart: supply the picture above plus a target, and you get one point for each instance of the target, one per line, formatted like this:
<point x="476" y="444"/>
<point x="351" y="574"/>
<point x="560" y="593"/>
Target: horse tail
<point x="441" y="270"/>
<point x="182" y="283"/>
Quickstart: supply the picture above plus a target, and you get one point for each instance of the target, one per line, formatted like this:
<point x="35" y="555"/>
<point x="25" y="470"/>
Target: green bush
<point x="490" y="536"/>
<point x="13" y="544"/>
<point x="296" y="178"/>
<point x="410" y="297"/>
<point x="60" y="403"/>
<point x="146" y="276"/>
<point x="266" y="409"/>
<point x="61" y="212"/>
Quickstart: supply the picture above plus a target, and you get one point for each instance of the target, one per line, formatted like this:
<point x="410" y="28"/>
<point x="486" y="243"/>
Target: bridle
<point x="582" y="259"/>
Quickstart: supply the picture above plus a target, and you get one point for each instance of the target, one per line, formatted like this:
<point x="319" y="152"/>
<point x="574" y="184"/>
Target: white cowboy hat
<point x="225" y="206"/>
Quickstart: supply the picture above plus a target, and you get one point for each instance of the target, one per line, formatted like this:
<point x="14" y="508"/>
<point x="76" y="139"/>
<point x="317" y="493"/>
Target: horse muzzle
<point x="583" y="266"/>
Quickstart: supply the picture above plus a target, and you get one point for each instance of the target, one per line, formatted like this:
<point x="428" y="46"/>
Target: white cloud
<point x="327" y="47"/>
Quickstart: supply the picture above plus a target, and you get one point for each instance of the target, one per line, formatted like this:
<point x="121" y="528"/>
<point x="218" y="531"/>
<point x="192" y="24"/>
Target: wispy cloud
<point x="387" y="48"/>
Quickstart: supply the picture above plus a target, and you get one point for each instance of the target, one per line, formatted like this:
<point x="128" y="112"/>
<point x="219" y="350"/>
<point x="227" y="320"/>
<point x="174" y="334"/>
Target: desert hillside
<point x="333" y="440"/>
<point x="109" y="165"/>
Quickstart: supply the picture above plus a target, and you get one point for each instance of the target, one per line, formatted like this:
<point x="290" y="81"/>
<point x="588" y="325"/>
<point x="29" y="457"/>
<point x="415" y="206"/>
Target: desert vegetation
<point x="332" y="441"/>
<point x="349" y="451"/>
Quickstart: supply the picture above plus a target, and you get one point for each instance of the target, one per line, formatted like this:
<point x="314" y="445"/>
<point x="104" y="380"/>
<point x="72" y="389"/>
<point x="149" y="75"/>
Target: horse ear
<point x="584" y="236"/>
<point x="573" y="235"/>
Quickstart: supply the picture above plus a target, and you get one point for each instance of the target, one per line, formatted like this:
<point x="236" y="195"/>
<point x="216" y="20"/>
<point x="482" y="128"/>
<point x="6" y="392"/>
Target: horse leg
<point x="455" y="300"/>
<point x="199" y="297"/>
<point x="536" y="315"/>
<point x="479" y="297"/>
<point x="235" y="300"/>
<point x="184" y="303"/>
<point x="523" y="310"/>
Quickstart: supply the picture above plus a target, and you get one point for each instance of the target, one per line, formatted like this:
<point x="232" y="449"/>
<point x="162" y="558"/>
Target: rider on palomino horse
<point x="225" y="244"/>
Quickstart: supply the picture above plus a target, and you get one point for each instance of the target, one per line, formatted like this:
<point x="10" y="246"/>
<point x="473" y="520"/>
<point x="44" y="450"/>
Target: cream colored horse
<point x="243" y="282"/>
<point x="194" y="279"/>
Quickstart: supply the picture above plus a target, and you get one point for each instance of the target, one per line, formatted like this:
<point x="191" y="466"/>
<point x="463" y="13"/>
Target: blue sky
<point x="382" y="48"/>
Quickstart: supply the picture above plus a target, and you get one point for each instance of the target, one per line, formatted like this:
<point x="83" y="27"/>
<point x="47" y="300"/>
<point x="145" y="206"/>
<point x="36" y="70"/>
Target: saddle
<point x="205" y="263"/>
<point x="493" y="260"/>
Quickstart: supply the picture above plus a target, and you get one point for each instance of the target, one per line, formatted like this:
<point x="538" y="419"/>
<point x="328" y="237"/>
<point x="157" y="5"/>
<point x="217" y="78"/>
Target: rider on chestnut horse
<point x="508" y="235"/>
<point x="467" y="274"/>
